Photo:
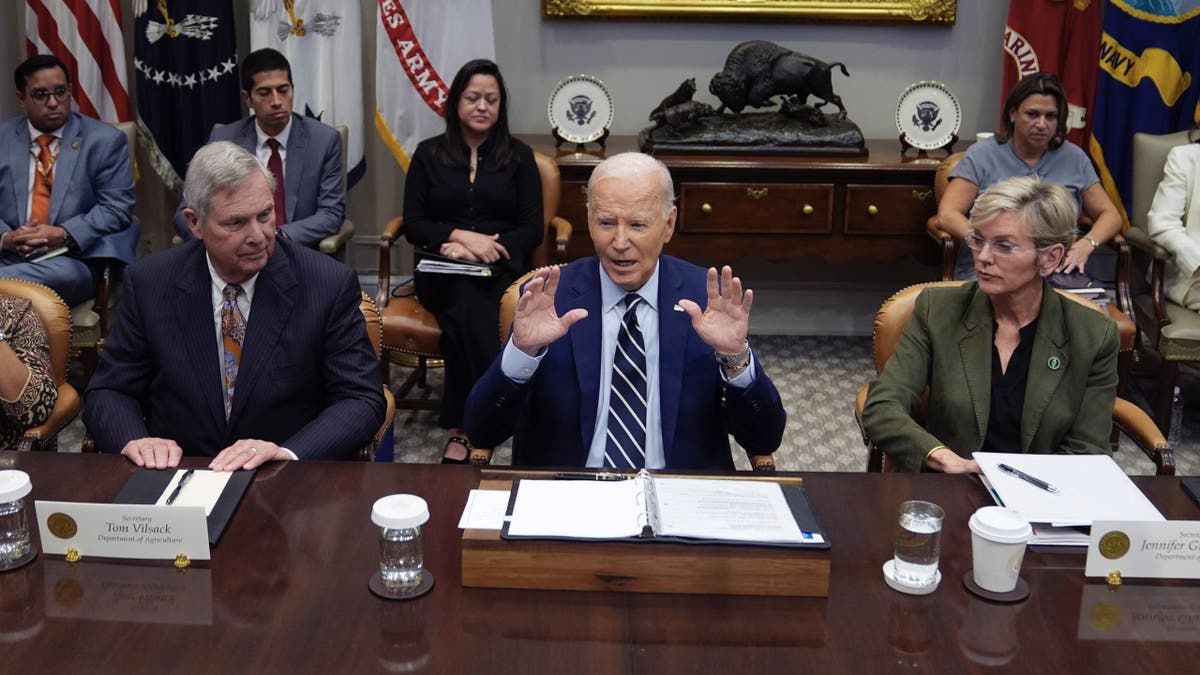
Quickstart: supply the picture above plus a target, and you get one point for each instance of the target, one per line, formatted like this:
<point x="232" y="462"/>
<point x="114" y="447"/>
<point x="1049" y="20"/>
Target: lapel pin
<point x="1054" y="363"/>
<point x="75" y="144"/>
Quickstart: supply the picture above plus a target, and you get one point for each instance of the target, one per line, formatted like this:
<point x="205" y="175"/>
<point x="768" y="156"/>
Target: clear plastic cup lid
<point x="1001" y="525"/>
<point x="400" y="512"/>
<point x="14" y="484"/>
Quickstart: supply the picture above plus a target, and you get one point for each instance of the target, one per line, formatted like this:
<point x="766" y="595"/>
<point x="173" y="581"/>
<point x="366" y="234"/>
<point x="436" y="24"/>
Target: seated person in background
<point x="235" y="344"/>
<point x="1033" y="143"/>
<point x="65" y="179"/>
<point x="474" y="194"/>
<point x="302" y="153"/>
<point x="1174" y="220"/>
<point x="27" y="391"/>
<point x="629" y="358"/>
<point x="1011" y="366"/>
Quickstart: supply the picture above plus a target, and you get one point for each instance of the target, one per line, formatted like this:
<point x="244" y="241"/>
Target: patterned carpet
<point x="818" y="378"/>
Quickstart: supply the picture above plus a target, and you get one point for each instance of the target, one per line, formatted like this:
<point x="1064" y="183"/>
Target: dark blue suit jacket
<point x="308" y="381"/>
<point x="314" y="187"/>
<point x="554" y="414"/>
<point x="92" y="197"/>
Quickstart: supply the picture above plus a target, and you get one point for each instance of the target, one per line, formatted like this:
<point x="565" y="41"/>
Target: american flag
<point x="86" y="36"/>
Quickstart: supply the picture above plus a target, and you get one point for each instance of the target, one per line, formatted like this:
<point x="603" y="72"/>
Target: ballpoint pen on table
<point x="1029" y="479"/>
<point x="187" y="476"/>
<point x="590" y="476"/>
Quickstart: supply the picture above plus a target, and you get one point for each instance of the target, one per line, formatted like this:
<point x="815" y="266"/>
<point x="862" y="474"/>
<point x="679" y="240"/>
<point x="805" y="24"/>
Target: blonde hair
<point x="1046" y="209"/>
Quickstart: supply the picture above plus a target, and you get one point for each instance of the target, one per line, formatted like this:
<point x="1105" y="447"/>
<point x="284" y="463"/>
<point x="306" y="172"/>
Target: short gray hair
<point x="633" y="165"/>
<point x="1047" y="209"/>
<point x="218" y="167"/>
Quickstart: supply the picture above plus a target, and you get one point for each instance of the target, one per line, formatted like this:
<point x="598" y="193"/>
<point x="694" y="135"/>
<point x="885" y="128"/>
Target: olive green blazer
<point x="947" y="347"/>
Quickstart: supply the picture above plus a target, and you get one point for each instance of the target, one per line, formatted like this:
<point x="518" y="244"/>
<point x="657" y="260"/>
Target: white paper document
<point x="1090" y="487"/>
<point x="430" y="266"/>
<point x="485" y="510"/>
<point x="204" y="488"/>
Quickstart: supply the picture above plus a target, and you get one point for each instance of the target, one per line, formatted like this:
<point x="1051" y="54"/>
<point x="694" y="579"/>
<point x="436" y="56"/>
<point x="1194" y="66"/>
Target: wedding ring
<point x="254" y="450"/>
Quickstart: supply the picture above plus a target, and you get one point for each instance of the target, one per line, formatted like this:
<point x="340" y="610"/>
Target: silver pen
<point x="1029" y="479"/>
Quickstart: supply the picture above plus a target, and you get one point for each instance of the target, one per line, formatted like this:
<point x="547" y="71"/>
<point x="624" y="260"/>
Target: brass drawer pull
<point x="808" y="209"/>
<point x="756" y="194"/>
<point x="922" y="195"/>
<point x="706" y="208"/>
<point x="872" y="210"/>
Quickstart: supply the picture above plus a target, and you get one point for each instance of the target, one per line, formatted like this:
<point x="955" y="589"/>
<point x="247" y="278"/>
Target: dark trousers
<point x="468" y="312"/>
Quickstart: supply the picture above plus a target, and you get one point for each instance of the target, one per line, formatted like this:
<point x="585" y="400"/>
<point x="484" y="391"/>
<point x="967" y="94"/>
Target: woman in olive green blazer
<point x="957" y="338"/>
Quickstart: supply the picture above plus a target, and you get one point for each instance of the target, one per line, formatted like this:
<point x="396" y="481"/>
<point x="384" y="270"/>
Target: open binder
<point x="145" y="485"/>
<point x="675" y="509"/>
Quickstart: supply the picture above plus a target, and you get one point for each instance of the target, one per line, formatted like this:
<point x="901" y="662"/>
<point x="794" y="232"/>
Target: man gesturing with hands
<point x="630" y="358"/>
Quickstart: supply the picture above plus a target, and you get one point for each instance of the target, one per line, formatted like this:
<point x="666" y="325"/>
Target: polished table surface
<point x="286" y="590"/>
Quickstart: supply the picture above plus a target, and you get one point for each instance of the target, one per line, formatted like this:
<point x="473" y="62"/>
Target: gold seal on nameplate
<point x="61" y="525"/>
<point x="1114" y="545"/>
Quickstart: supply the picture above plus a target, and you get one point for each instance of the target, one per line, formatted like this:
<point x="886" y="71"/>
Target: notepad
<point x="692" y="510"/>
<point x="431" y="263"/>
<point x="1091" y="487"/>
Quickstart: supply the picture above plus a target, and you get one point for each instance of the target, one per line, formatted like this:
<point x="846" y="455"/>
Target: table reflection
<point x="112" y="591"/>
<point x="988" y="633"/>
<point x="1139" y="613"/>
<point x="22" y="605"/>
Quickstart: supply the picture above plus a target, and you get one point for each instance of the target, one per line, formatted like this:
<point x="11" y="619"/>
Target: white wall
<point x="641" y="61"/>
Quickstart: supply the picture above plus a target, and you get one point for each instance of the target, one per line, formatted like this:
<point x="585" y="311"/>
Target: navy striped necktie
<point x="625" y="447"/>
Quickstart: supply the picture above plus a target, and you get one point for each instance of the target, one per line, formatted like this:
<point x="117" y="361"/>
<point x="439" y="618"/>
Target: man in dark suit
<point x="630" y="358"/>
<point x="237" y="345"/>
<point x="303" y="150"/>
<point x="66" y="184"/>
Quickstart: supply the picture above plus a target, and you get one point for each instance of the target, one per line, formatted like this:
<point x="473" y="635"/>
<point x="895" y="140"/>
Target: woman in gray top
<point x="1032" y="143"/>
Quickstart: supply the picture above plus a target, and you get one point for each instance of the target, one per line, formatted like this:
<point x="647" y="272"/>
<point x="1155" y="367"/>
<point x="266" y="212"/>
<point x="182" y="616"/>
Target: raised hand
<point x="536" y="322"/>
<point x="724" y="324"/>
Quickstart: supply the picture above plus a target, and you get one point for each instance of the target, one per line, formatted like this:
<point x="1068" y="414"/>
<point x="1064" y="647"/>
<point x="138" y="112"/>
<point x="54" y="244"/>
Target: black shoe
<point x="461" y="441"/>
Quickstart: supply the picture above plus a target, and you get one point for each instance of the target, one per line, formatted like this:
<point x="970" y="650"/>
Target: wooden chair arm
<point x="1137" y="425"/>
<point x="333" y="243"/>
<point x="1141" y="240"/>
<point x="391" y="231"/>
<point x="562" y="235"/>
<point x="948" y="245"/>
<point x="367" y="454"/>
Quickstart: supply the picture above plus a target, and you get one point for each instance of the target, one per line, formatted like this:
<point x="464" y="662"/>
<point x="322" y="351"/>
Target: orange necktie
<point x="43" y="180"/>
<point x="233" y="334"/>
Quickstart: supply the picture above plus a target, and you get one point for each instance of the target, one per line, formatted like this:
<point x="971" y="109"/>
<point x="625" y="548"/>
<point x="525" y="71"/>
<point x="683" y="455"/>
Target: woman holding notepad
<point x="1010" y="365"/>
<point x="472" y="194"/>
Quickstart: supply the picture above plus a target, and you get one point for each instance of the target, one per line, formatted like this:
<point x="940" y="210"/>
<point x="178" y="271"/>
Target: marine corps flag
<point x="322" y="40"/>
<point x="185" y="54"/>
<point x="1147" y="83"/>
<point x="420" y="45"/>
<point x="1060" y="37"/>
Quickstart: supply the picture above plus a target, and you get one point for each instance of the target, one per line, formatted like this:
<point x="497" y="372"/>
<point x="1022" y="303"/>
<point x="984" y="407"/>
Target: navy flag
<point x="185" y="54"/>
<point x="1149" y="63"/>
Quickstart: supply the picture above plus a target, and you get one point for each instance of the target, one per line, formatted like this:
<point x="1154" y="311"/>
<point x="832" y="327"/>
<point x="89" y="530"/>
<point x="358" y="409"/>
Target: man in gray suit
<point x="301" y="153"/>
<point x="66" y="187"/>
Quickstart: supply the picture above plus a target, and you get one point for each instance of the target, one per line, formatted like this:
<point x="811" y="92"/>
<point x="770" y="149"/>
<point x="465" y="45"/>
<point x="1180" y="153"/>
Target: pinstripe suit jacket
<point x="308" y="381"/>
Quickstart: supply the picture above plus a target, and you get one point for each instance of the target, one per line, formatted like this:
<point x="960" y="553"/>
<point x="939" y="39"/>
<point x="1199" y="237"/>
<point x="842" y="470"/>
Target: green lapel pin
<point x="1054" y="363"/>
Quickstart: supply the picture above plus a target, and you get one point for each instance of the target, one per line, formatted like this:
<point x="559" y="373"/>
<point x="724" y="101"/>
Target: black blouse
<point x="503" y="200"/>
<point x="1008" y="394"/>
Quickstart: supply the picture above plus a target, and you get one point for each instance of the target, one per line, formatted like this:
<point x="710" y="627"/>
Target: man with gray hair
<point x="630" y="358"/>
<point x="236" y="345"/>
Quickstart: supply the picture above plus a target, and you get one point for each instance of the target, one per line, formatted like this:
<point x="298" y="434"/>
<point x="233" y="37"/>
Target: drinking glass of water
<point x="918" y="543"/>
<point x="401" y="559"/>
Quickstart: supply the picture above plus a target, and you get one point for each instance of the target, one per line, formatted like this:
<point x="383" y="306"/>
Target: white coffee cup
<point x="998" y="538"/>
<point x="983" y="136"/>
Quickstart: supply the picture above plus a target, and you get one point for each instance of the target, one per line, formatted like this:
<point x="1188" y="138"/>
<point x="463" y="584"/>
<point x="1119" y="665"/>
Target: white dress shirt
<point x="263" y="151"/>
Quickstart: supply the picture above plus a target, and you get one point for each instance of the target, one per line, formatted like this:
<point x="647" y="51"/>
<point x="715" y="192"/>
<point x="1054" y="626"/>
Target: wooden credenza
<point x="778" y="208"/>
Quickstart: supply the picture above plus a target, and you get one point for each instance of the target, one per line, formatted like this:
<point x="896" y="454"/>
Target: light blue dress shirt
<point x="520" y="367"/>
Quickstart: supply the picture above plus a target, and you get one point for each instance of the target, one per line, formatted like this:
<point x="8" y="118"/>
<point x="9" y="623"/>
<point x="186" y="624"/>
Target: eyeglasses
<point x="40" y="96"/>
<point x="976" y="242"/>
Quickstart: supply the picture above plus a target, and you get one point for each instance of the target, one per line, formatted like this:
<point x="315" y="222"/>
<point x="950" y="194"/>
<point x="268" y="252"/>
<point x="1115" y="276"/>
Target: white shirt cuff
<point x="744" y="379"/>
<point x="517" y="365"/>
<point x="290" y="453"/>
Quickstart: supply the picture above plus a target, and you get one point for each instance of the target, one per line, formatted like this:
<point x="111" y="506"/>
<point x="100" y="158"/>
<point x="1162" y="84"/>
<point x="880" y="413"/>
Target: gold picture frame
<point x="920" y="11"/>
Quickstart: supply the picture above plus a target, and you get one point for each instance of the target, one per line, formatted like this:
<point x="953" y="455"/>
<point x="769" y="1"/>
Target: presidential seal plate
<point x="928" y="115"/>
<point x="580" y="109"/>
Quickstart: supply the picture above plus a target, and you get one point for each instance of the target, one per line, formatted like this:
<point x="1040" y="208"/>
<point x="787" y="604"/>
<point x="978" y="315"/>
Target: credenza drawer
<point x="768" y="208"/>
<point x="888" y="209"/>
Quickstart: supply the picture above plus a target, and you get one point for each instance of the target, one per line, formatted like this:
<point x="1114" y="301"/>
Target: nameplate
<point x="1147" y="550"/>
<point x="130" y="531"/>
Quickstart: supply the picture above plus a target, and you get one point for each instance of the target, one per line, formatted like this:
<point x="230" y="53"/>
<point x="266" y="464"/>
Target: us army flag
<point x="322" y="39"/>
<point x="1147" y="82"/>
<point x="421" y="44"/>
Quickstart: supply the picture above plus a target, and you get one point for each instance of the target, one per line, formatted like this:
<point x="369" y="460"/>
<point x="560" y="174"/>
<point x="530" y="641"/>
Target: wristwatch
<point x="735" y="362"/>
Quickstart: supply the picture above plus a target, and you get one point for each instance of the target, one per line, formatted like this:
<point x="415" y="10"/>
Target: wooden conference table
<point x="286" y="591"/>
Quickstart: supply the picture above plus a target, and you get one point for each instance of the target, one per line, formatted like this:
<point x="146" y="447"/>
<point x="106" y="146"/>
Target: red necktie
<point x="43" y="179"/>
<point x="275" y="166"/>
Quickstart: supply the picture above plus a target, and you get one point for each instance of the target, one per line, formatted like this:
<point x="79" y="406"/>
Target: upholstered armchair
<point x="890" y="321"/>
